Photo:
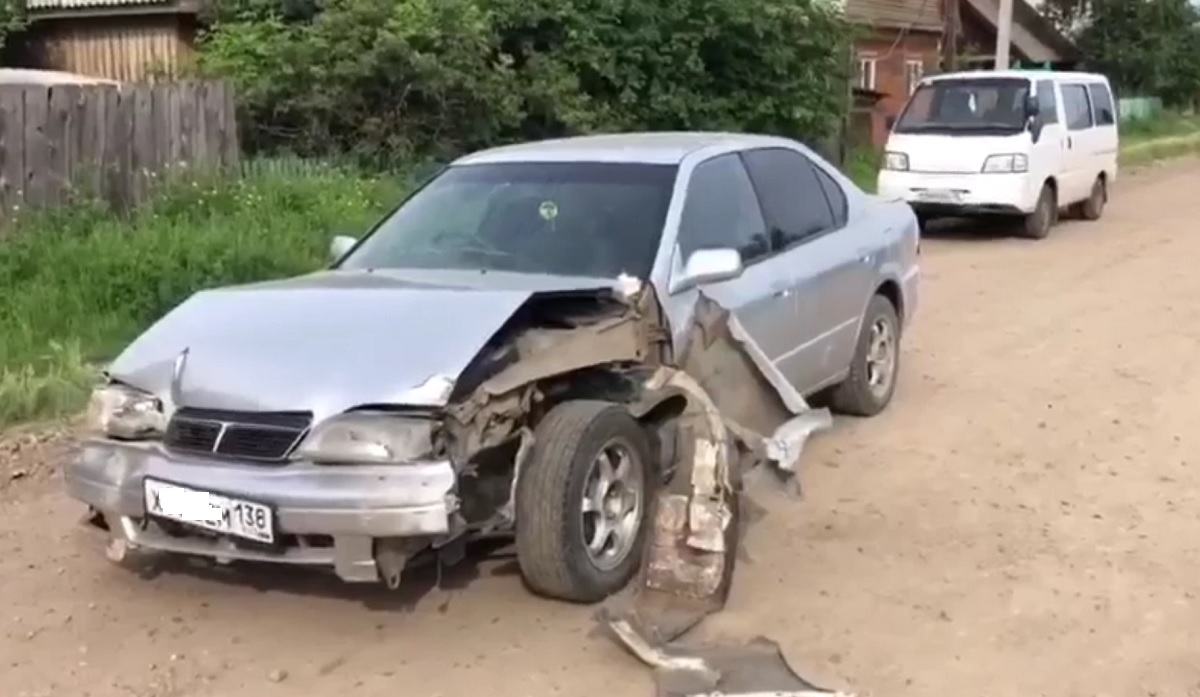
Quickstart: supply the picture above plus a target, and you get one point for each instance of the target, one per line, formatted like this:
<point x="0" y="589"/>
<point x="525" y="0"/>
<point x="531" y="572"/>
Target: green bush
<point x="79" y="283"/>
<point x="389" y="79"/>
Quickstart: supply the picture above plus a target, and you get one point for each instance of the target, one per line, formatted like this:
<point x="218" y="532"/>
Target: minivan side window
<point x="1047" y="99"/>
<point x="1102" y="103"/>
<point x="1077" y="106"/>
<point x="793" y="202"/>
<point x="721" y="211"/>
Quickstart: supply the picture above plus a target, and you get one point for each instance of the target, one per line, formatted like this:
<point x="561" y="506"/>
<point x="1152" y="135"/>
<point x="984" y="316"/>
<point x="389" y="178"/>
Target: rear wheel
<point x="582" y="501"/>
<point x="1093" y="207"/>
<point x="1036" y="225"/>
<point x="872" y="381"/>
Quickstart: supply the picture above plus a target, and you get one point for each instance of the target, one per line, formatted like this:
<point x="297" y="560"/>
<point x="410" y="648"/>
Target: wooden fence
<point x="60" y="143"/>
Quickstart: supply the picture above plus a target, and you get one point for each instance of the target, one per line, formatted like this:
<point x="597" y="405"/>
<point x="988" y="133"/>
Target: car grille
<point x="259" y="436"/>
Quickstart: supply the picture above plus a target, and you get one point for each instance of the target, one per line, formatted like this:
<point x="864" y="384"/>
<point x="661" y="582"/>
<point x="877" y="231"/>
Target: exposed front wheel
<point x="872" y="380"/>
<point x="582" y="500"/>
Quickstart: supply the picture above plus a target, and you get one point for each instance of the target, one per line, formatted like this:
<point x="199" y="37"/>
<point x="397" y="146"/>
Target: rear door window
<point x="794" y="204"/>
<point x="1077" y="107"/>
<point x="1102" y="104"/>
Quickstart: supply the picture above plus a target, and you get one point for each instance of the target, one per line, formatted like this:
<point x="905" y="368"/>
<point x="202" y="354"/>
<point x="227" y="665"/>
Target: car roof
<point x="1028" y="74"/>
<point x="666" y="148"/>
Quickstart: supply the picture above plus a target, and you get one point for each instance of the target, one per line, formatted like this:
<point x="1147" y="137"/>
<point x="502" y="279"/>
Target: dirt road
<point x="1023" y="521"/>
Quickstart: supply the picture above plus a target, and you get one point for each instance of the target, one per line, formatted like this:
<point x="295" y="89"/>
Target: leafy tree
<point x="389" y="79"/>
<point x="12" y="18"/>
<point x="1148" y="47"/>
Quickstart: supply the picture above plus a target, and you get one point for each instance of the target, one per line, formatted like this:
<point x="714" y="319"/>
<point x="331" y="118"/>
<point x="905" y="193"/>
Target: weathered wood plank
<point x="12" y="148"/>
<point x="58" y="146"/>
<point x="37" y="148"/>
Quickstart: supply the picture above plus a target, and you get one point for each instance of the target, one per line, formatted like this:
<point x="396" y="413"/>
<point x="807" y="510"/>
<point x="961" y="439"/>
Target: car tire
<point x="868" y="389"/>
<point x="1036" y="225"/>
<point x="562" y="499"/>
<point x="1093" y="207"/>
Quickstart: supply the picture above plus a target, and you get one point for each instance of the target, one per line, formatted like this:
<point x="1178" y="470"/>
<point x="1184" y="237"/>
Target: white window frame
<point x="914" y="72"/>
<point x="868" y="70"/>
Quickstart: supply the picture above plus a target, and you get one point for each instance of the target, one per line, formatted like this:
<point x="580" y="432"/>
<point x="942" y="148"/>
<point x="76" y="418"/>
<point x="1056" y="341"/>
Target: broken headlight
<point x="369" y="438"/>
<point x="120" y="411"/>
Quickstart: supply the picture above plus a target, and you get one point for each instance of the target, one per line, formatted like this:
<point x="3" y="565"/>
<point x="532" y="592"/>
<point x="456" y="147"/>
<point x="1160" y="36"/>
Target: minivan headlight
<point x="896" y="161"/>
<point x="122" y="412"/>
<point x="1005" y="164"/>
<point x="369" y="438"/>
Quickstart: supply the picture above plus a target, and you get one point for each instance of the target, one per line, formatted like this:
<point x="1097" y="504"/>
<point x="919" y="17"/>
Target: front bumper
<point x="326" y="516"/>
<point x="973" y="194"/>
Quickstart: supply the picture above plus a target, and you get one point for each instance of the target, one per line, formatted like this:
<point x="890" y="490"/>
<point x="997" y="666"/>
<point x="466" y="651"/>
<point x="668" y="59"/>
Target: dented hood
<point x="323" y="343"/>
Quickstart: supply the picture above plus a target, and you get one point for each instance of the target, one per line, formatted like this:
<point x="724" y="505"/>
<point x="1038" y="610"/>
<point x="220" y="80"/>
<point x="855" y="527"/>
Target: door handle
<point x="781" y="291"/>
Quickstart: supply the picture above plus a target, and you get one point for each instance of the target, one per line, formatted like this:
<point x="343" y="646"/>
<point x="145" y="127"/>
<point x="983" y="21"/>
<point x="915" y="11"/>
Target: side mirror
<point x="339" y="246"/>
<point x="711" y="266"/>
<point x="1031" y="107"/>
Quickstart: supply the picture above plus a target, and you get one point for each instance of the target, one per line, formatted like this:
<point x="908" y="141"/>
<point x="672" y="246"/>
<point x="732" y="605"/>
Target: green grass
<point x="79" y="283"/>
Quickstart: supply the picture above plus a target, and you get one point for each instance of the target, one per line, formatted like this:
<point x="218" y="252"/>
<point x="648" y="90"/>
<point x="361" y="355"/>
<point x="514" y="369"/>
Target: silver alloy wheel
<point x="612" y="505"/>
<point x="881" y="358"/>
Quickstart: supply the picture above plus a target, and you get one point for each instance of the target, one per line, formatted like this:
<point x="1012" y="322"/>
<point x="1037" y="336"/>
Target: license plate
<point x="939" y="195"/>
<point x="221" y="514"/>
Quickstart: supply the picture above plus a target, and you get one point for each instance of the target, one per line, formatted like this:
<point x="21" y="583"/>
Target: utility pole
<point x="950" y="29"/>
<point x="1004" y="35"/>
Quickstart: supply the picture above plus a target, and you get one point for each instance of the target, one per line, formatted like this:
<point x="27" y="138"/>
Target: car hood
<point x="323" y="343"/>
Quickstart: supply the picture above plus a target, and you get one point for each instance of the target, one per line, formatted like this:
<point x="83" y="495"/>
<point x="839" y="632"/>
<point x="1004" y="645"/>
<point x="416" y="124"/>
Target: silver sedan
<point x="488" y="361"/>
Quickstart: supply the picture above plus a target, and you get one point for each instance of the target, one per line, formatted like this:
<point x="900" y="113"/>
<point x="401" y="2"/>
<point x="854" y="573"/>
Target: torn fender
<point x="740" y="413"/>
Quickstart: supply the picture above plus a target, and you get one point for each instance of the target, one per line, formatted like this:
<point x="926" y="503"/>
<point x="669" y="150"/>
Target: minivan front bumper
<point x="961" y="194"/>
<point x="326" y="516"/>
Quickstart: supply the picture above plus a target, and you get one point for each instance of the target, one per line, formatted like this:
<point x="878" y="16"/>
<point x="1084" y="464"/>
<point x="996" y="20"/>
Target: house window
<point x="914" y="70"/>
<point x="866" y="72"/>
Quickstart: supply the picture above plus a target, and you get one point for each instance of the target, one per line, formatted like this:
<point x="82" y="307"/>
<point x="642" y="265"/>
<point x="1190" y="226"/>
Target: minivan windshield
<point x="591" y="219"/>
<point x="976" y="106"/>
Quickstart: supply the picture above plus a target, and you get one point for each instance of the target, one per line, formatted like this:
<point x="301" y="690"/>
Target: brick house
<point x="899" y="41"/>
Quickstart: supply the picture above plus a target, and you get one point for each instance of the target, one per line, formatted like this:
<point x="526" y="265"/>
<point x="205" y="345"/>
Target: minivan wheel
<point x="872" y="381"/>
<point x="1093" y="207"/>
<point x="1036" y="225"/>
<point x="582" y="500"/>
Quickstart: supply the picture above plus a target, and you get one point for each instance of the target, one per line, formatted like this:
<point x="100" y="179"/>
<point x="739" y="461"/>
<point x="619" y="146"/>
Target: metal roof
<point x="900" y="14"/>
<point x="22" y="76"/>
<point x="40" y="5"/>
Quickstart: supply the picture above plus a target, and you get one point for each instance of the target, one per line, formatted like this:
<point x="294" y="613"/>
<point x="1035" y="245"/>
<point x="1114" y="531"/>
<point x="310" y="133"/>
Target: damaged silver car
<point x="575" y="343"/>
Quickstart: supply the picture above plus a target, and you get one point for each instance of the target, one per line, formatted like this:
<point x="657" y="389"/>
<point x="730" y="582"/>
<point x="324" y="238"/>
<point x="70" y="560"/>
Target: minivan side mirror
<point x="339" y="246"/>
<point x="1031" y="106"/>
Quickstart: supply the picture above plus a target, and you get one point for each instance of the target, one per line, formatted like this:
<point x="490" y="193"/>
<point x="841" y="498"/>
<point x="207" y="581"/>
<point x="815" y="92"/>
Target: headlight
<point x="369" y="438"/>
<point x="122" y="412"/>
<point x="897" y="161"/>
<point x="1004" y="164"/>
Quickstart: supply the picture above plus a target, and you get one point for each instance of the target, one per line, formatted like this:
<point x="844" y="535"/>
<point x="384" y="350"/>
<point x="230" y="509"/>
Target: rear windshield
<point x="981" y="106"/>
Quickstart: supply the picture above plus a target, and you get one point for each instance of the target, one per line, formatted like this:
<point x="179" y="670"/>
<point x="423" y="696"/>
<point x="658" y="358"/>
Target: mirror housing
<point x="1031" y="106"/>
<point x="710" y="266"/>
<point x="339" y="246"/>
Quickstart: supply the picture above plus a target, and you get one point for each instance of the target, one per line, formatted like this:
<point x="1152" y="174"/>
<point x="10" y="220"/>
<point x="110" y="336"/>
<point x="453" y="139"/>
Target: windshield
<point x="568" y="219"/>
<point x="971" y="106"/>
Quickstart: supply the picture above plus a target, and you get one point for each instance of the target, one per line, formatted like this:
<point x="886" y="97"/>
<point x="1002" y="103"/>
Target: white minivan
<point x="1020" y="143"/>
